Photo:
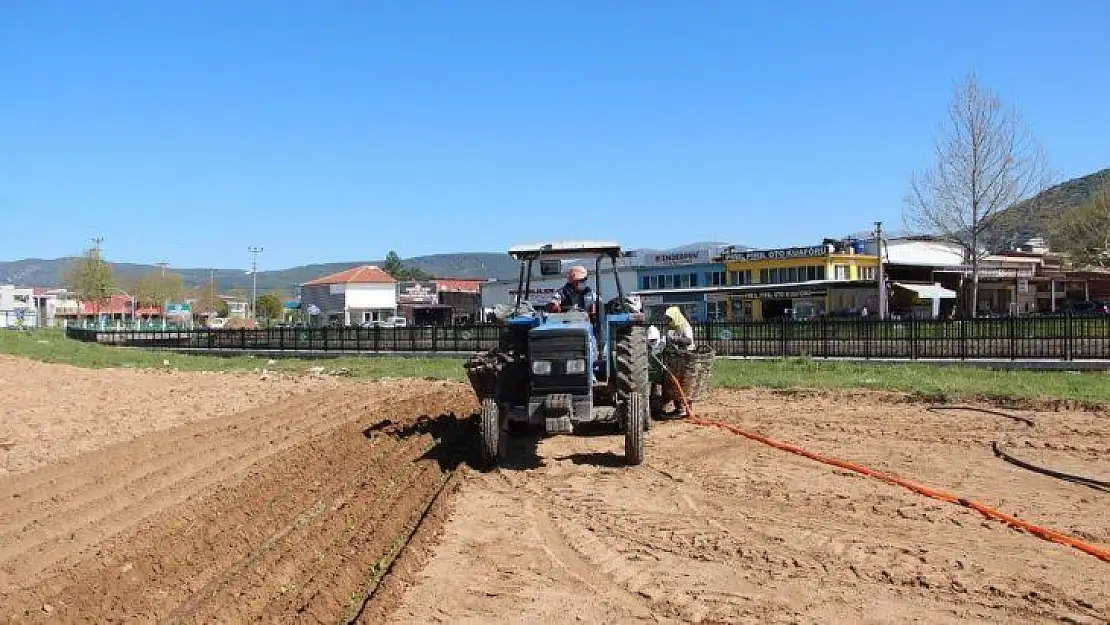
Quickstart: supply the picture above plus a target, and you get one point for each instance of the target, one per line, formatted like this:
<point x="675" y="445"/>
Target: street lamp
<point x="881" y="278"/>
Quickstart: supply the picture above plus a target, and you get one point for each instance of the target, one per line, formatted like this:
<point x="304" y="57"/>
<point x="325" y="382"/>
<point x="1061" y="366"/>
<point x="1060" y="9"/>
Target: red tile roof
<point x="116" y="305"/>
<point x="366" y="274"/>
<point x="460" y="285"/>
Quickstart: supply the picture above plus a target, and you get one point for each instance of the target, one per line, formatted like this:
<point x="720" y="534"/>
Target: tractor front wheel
<point x="634" y="422"/>
<point x="490" y="433"/>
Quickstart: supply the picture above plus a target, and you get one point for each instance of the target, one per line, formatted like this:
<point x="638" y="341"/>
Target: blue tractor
<point x="556" y="370"/>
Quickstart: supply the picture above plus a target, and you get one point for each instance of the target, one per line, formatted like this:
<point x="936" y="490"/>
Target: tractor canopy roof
<point x="565" y="249"/>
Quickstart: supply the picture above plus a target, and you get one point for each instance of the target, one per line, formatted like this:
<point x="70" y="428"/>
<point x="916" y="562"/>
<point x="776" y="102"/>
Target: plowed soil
<point x="291" y="509"/>
<point x="718" y="528"/>
<point x="285" y="512"/>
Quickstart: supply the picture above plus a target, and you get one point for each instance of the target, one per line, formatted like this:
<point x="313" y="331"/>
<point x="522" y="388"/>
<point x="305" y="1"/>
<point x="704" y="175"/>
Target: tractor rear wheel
<point x="490" y="433"/>
<point x="637" y="414"/>
<point x="631" y="355"/>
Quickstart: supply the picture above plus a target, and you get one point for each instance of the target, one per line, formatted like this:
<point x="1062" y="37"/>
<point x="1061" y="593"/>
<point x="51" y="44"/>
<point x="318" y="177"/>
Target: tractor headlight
<point x="576" y="366"/>
<point x="541" y="367"/>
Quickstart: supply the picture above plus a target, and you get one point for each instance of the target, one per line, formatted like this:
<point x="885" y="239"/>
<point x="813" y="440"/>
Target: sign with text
<point x="417" y="293"/>
<point x="672" y="259"/>
<point x="812" y="251"/>
<point x="783" y="294"/>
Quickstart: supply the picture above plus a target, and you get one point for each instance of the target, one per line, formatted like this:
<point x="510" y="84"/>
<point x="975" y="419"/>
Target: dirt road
<point x="288" y="510"/>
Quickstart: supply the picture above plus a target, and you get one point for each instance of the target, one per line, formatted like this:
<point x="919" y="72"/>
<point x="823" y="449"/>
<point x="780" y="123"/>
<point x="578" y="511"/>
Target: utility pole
<point x="165" y="300"/>
<point x="254" y="250"/>
<point x="881" y="277"/>
<point x="212" y="290"/>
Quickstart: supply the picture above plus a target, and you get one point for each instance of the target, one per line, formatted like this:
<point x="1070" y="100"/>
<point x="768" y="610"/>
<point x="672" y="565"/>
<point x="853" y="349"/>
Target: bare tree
<point x="1084" y="233"/>
<point x="986" y="160"/>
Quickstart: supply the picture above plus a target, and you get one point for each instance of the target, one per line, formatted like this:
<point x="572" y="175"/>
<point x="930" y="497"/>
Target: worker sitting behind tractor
<point x="680" y="336"/>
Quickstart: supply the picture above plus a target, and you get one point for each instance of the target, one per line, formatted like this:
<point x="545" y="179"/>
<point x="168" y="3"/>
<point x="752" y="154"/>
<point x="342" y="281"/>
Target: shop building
<point x="836" y="278"/>
<point x="439" y="301"/>
<point x="665" y="279"/>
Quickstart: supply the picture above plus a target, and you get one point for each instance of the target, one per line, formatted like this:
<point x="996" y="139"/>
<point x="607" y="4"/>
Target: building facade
<point x="357" y="296"/>
<point x="665" y="279"/>
<point x="17" y="307"/>
<point x="836" y="278"/>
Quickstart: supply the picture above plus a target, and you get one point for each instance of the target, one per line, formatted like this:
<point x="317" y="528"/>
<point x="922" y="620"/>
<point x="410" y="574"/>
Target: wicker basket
<point x="693" y="368"/>
<point x="482" y="370"/>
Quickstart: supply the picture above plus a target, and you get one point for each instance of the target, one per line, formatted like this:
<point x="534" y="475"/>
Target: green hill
<point x="49" y="272"/>
<point x="1035" y="216"/>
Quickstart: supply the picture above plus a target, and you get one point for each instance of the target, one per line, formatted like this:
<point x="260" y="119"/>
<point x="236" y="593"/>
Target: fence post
<point x="963" y="338"/>
<point x="913" y="338"/>
<point x="1068" y="333"/>
<point x="782" y="337"/>
<point x="824" y="337"/>
<point x="1013" y="338"/>
<point x="324" y="335"/>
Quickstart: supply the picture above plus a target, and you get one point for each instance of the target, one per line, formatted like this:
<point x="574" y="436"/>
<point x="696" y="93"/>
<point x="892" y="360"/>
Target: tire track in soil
<point x="114" y="508"/>
<point x="792" y="546"/>
<point x="580" y="550"/>
<point x="180" y="550"/>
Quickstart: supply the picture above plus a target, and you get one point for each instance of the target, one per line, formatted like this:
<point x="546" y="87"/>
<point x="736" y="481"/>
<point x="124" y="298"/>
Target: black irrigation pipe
<point x="1090" y="482"/>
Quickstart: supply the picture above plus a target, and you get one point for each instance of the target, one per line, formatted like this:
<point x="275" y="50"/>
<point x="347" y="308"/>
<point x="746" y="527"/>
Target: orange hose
<point x="1097" y="551"/>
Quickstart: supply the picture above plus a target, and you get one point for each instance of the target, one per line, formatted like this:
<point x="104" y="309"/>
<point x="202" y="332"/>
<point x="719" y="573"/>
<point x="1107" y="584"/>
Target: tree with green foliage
<point x="985" y="161"/>
<point x="90" y="277"/>
<point x="269" y="307"/>
<point x="156" y="288"/>
<point x="392" y="264"/>
<point x="1084" y="233"/>
<point x="396" y="268"/>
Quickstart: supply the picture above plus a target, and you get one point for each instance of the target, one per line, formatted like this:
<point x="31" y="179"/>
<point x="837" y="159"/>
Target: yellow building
<point x="799" y="282"/>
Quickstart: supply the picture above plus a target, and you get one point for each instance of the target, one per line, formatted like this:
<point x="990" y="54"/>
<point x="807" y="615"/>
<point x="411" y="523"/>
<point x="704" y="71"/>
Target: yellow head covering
<point x="675" y="315"/>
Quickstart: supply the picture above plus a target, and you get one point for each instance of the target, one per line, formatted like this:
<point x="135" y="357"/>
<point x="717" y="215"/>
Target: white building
<point x="17" y="307"/>
<point x="352" y="297"/>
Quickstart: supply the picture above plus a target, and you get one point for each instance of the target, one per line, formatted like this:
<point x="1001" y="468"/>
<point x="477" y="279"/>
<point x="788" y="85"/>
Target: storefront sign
<point x="676" y="258"/>
<point x="785" y="294"/>
<point x="417" y="293"/>
<point x="812" y="251"/>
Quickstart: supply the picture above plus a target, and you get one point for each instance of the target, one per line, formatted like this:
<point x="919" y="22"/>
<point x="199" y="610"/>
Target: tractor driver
<point x="576" y="293"/>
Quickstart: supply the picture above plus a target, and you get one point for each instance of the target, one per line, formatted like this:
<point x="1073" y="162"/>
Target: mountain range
<point x="50" y="272"/>
<point x="1015" y="225"/>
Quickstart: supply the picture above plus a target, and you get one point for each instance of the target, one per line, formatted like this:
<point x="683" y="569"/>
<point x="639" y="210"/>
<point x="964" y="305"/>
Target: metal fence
<point x="1016" y="338"/>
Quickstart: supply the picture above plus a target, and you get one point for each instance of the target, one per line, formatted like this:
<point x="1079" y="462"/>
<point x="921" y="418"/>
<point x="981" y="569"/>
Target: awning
<point x="928" y="291"/>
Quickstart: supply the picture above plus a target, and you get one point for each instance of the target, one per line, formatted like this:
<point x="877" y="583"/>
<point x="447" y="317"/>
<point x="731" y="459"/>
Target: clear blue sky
<point x="334" y="131"/>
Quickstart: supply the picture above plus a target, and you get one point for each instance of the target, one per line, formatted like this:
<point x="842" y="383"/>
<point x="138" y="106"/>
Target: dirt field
<point x="285" y="500"/>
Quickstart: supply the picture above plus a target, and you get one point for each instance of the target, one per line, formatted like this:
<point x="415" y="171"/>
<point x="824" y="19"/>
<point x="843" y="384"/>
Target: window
<point x="645" y="282"/>
<point x="367" y="317"/>
<point x="693" y="279"/>
<point x="792" y="274"/>
<point x="840" y="272"/>
<point x="715" y="278"/>
<point x="867" y="273"/>
<point x="741" y="277"/>
<point x="715" y="311"/>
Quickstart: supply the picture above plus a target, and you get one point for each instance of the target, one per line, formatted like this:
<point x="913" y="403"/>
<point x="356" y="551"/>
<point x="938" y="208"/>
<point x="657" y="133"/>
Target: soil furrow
<point x="174" y="554"/>
<point x="75" y="472"/>
<point x="272" y="567"/>
<point x="74" y="530"/>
